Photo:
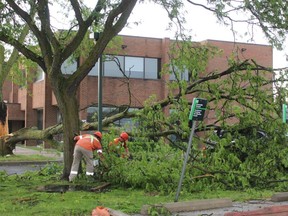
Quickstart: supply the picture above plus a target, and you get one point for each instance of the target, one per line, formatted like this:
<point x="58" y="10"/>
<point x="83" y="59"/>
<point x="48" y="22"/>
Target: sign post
<point x="196" y="114"/>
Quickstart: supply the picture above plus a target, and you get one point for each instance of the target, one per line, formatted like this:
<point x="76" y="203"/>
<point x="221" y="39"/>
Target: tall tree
<point x="54" y="50"/>
<point x="270" y="16"/>
<point x="5" y="69"/>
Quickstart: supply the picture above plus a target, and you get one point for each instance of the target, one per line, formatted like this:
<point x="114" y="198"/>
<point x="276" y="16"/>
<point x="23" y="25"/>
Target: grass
<point x="39" y="148"/>
<point x="16" y="158"/>
<point x="20" y="195"/>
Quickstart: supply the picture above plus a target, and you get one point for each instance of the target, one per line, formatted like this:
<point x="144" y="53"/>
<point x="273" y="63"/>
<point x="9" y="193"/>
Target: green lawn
<point x="25" y="158"/>
<point x="21" y="195"/>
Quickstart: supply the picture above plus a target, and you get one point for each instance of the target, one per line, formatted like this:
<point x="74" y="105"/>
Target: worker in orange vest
<point x="84" y="147"/>
<point x="119" y="144"/>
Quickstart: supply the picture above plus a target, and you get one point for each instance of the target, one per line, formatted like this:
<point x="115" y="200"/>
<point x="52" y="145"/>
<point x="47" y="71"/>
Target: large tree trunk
<point x="70" y="114"/>
<point x="68" y="106"/>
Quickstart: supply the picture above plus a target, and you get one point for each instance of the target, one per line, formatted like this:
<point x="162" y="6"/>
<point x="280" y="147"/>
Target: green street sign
<point x="197" y="109"/>
<point x="196" y="114"/>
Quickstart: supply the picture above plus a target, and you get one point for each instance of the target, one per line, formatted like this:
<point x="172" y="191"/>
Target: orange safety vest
<point x="88" y="142"/>
<point x="116" y="146"/>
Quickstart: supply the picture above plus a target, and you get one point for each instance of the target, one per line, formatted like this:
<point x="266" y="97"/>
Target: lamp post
<point x="100" y="73"/>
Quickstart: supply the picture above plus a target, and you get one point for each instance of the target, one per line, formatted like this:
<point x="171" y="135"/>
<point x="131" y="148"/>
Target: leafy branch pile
<point x="243" y="164"/>
<point x="240" y="99"/>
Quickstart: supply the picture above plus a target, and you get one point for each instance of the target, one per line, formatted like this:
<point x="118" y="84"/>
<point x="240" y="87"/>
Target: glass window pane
<point x="92" y="113"/>
<point x="111" y="67"/>
<point x="94" y="70"/>
<point x="128" y="123"/>
<point x="182" y="75"/>
<point x="109" y="111"/>
<point x="151" y="68"/>
<point x="185" y="75"/>
<point x="134" y="67"/>
<point x="172" y="77"/>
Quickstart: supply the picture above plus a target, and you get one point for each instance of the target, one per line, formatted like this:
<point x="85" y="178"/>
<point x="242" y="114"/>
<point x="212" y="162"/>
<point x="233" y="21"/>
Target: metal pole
<point x="185" y="160"/>
<point x="100" y="73"/>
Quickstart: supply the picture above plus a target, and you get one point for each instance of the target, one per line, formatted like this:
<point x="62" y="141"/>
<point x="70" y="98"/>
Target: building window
<point x="183" y="75"/>
<point x="94" y="70"/>
<point x="133" y="67"/>
<point x="151" y="68"/>
<point x="111" y="66"/>
<point x="40" y="119"/>
<point x="127" y="123"/>
<point x="92" y="113"/>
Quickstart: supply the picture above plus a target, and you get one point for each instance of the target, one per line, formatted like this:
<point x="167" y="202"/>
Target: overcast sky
<point x="153" y="23"/>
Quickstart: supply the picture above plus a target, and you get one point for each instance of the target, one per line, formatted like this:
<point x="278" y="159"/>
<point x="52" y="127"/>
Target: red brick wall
<point x="263" y="54"/>
<point x="49" y="111"/>
<point x="140" y="46"/>
<point x="22" y="98"/>
<point x="7" y="90"/>
<point x="115" y="90"/>
<point x="16" y="113"/>
<point x="38" y="95"/>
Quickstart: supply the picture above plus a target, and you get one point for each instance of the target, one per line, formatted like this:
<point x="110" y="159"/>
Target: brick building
<point x="36" y="105"/>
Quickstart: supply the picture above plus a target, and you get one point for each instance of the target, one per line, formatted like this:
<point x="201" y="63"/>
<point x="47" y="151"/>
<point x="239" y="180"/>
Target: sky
<point x="153" y="23"/>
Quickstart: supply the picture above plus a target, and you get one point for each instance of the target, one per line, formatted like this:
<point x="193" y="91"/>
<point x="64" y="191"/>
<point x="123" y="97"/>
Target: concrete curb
<point x="273" y="210"/>
<point x="116" y="213"/>
<point x="190" y="205"/>
<point x="280" y="197"/>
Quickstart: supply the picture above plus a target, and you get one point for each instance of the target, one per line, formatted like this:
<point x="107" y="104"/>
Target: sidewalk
<point x="44" y="152"/>
<point x="20" y="167"/>
<point x="51" y="155"/>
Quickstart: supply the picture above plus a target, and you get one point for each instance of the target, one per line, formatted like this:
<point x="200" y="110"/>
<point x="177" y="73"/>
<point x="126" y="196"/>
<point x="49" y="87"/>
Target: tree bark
<point x="68" y="106"/>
